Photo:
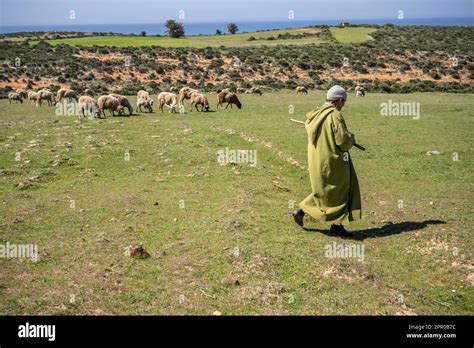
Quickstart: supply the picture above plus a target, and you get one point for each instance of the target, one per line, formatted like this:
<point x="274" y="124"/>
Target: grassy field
<point x="344" y="35"/>
<point x="207" y="225"/>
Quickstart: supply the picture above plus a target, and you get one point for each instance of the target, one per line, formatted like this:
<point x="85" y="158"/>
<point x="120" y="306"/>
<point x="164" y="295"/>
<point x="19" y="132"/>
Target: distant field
<point x="205" y="223"/>
<point x="352" y="35"/>
<point x="345" y="35"/>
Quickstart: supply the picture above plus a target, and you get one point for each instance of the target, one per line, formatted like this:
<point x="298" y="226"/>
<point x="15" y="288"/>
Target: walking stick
<point x="360" y="147"/>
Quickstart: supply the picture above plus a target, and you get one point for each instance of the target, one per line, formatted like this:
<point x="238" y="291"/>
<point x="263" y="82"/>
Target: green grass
<point x="352" y="34"/>
<point x="346" y="35"/>
<point x="281" y="268"/>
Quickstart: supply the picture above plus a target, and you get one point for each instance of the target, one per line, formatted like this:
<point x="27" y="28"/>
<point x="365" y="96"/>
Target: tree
<point x="174" y="29"/>
<point x="143" y="33"/>
<point x="232" y="28"/>
<point x="218" y="32"/>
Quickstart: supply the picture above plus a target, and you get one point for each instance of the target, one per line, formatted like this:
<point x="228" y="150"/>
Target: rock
<point x="429" y="153"/>
<point x="216" y="313"/>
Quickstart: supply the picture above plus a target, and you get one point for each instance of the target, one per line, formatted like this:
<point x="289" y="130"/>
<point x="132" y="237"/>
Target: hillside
<point x="391" y="59"/>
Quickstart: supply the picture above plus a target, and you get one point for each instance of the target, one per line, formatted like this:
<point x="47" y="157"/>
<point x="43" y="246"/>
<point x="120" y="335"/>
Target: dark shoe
<point x="298" y="215"/>
<point x="341" y="231"/>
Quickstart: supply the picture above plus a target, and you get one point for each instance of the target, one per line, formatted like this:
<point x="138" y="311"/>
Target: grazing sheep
<point x="359" y="91"/>
<point x="15" y="96"/>
<point x="301" y="89"/>
<point x="174" y="90"/>
<point x="60" y="94"/>
<point x="143" y="94"/>
<point x="22" y="92"/>
<point x="89" y="92"/>
<point x="108" y="102"/>
<point x="199" y="99"/>
<point x="241" y="90"/>
<point x="34" y="97"/>
<point x="88" y="107"/>
<point x="229" y="98"/>
<point x="248" y="91"/>
<point x="147" y="103"/>
<point x="185" y="93"/>
<point x="47" y="95"/>
<point x="67" y="93"/>
<point x="168" y="99"/>
<point x="255" y="90"/>
<point x="124" y="102"/>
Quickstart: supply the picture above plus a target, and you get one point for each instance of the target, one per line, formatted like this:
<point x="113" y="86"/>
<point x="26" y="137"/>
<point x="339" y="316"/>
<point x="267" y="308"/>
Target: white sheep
<point x="147" y="103"/>
<point x="88" y="107"/>
<point x="15" y="96"/>
<point x="168" y="99"/>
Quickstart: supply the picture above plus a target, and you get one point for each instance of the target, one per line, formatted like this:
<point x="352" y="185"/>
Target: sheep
<point x="199" y="99"/>
<point x="15" y="96"/>
<point x="89" y="92"/>
<point x="88" y="107"/>
<point x="255" y="90"/>
<point x="124" y="102"/>
<point x="22" y="92"/>
<point x="240" y="90"/>
<point x="34" y="97"/>
<point x="221" y="95"/>
<point x="248" y="91"/>
<point x="143" y="94"/>
<point x="67" y="93"/>
<point x="168" y="99"/>
<point x="108" y="102"/>
<point x="301" y="89"/>
<point x="359" y="91"/>
<point x="47" y="95"/>
<point x="185" y="93"/>
<point x="174" y="90"/>
<point x="147" y="103"/>
<point x="229" y="98"/>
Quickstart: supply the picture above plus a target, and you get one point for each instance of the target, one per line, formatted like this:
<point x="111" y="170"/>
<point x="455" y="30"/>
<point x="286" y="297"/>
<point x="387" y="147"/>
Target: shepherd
<point x="335" y="195"/>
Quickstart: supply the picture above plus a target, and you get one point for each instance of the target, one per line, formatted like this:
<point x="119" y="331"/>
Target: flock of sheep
<point x="117" y="103"/>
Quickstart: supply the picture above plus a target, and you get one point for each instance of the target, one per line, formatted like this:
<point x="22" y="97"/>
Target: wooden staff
<point x="360" y="147"/>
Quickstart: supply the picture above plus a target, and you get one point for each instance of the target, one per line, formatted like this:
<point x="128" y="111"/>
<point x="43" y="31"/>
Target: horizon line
<point x="242" y="21"/>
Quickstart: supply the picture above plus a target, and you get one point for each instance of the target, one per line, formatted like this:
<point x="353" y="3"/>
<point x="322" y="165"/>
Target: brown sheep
<point x="15" y="96"/>
<point x="124" y="102"/>
<point x="301" y="89"/>
<point x="89" y="92"/>
<point x="22" y="92"/>
<point x="48" y="96"/>
<point x="229" y="98"/>
<point x="108" y="102"/>
<point x="255" y="90"/>
<point x="88" y="107"/>
<point x="199" y="99"/>
<point x="185" y="93"/>
<point x="240" y="90"/>
<point x="67" y="93"/>
<point x="168" y="99"/>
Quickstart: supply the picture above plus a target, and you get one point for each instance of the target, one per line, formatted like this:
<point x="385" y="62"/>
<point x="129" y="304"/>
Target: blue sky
<point x="39" y="12"/>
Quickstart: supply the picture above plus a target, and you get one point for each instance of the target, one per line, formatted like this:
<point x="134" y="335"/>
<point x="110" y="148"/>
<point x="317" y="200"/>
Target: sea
<point x="210" y="28"/>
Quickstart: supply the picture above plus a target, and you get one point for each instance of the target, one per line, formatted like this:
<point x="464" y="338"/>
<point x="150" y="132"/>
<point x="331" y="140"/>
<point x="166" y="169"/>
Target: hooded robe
<point x="335" y="192"/>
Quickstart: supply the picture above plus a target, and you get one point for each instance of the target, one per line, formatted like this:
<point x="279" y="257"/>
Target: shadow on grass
<point x="384" y="231"/>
